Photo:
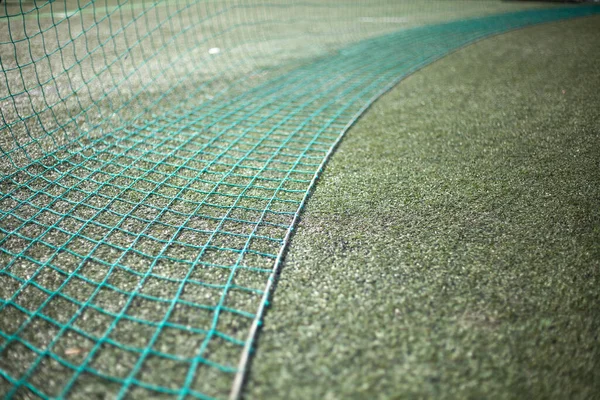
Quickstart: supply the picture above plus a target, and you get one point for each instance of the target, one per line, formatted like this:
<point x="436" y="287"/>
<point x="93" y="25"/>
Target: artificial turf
<point x="451" y="248"/>
<point x="89" y="252"/>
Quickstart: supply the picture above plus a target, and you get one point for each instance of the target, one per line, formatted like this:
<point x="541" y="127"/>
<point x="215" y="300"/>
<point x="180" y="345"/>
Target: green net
<point x="155" y="155"/>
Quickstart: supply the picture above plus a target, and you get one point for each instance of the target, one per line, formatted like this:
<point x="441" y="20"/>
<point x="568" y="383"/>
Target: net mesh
<point x="155" y="155"/>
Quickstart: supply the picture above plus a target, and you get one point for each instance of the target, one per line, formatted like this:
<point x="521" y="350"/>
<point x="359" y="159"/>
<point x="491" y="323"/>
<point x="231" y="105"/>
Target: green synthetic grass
<point x="451" y="248"/>
<point x="114" y="361"/>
